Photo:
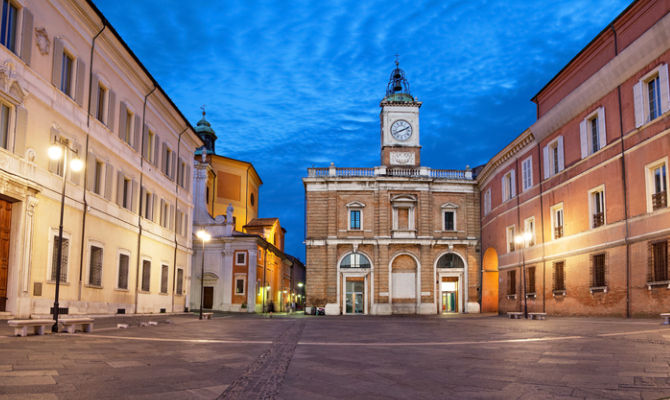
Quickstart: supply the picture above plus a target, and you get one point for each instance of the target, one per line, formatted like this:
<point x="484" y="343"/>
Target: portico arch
<point x="490" y="281"/>
<point x="451" y="282"/>
<point x="404" y="283"/>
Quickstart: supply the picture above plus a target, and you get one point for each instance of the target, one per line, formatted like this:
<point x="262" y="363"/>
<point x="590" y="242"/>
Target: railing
<point x="659" y="200"/>
<point x="423" y="172"/>
<point x="558" y="232"/>
<point x="598" y="219"/>
<point x="447" y="174"/>
<point x="403" y="172"/>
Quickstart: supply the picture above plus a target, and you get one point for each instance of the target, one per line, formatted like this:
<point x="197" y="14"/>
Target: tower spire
<point x="397" y="89"/>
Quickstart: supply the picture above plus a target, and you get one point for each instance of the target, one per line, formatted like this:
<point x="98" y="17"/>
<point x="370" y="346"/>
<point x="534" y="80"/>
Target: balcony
<point x="418" y="172"/>
<point x="598" y="219"/>
<point x="558" y="232"/>
<point x="659" y="200"/>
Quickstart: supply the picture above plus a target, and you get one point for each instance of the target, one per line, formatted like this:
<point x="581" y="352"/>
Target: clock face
<point x="401" y="130"/>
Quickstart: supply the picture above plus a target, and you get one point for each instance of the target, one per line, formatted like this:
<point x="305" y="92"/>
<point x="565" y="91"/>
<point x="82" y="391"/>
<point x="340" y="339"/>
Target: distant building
<point x="67" y="75"/>
<point x="396" y="238"/>
<point x="245" y="267"/>
<point x="587" y="183"/>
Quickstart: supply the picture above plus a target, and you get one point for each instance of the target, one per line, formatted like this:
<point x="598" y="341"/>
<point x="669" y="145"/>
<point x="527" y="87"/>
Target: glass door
<point x="354" y="297"/>
<point x="449" y="291"/>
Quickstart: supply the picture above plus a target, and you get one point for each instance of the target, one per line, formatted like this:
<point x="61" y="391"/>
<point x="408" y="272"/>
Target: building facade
<point x="397" y="238"/>
<point x="243" y="267"/>
<point x="67" y="77"/>
<point x="574" y="211"/>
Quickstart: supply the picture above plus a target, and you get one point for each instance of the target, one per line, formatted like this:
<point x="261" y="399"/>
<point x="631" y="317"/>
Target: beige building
<point x="65" y="74"/>
<point x="397" y="238"/>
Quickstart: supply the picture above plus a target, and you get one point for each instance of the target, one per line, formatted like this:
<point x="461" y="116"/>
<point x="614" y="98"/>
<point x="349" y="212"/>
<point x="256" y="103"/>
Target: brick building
<point x="397" y="238"/>
<point x="574" y="211"/>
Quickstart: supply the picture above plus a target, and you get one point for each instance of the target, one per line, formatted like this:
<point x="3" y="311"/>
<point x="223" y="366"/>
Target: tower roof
<point x="397" y="90"/>
<point x="204" y="130"/>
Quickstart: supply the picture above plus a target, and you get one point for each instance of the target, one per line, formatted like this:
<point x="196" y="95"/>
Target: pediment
<point x="355" y="204"/>
<point x="449" y="205"/>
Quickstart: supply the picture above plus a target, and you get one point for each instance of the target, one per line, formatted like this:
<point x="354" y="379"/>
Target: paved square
<point x="251" y="357"/>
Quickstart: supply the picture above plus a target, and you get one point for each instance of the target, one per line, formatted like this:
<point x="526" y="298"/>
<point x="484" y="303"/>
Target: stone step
<point x="6" y="315"/>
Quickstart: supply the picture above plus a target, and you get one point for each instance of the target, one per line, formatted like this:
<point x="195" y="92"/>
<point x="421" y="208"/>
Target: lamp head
<point x="76" y="164"/>
<point x="55" y="152"/>
<point x="203" y="235"/>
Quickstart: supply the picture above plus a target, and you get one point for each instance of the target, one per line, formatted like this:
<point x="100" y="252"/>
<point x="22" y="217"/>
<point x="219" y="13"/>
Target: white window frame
<point x="18" y="28"/>
<point x="449" y="208"/>
<point x="354" y="206"/>
<point x="408" y="202"/>
<point x="511" y="229"/>
<point x="53" y="232"/>
<point x="11" y="131"/>
<point x="508" y="185"/>
<point x="554" y="209"/>
<point x="641" y="94"/>
<point x="105" y="102"/>
<point x="487" y="201"/>
<point x="141" y="274"/>
<point x="527" y="173"/>
<point x="118" y="265"/>
<point x="238" y="252"/>
<point x="242" y="277"/>
<point x="650" y="182"/>
<point x="87" y="281"/>
<point x="528" y="228"/>
<point x="586" y="134"/>
<point x="167" y="285"/>
<point x="550" y="161"/>
<point x="176" y="282"/>
<point x="592" y="205"/>
<point x="67" y="50"/>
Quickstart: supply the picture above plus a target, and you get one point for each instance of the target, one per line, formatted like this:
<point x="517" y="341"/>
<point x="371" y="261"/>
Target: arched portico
<point x="451" y="286"/>
<point x="405" y="283"/>
<point x="490" y="281"/>
<point x="354" y="283"/>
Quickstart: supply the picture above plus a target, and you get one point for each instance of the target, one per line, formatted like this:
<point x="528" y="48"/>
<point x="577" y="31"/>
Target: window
<point x="449" y="220"/>
<point x="127" y="137"/>
<point x="487" y="201"/>
<point x="67" y="70"/>
<point x="658" y="271"/>
<point x="593" y="125"/>
<point x="167" y="161"/>
<point x="180" y="178"/>
<point x="450" y="260"/>
<point x="95" y="266"/>
<point x="511" y="282"/>
<point x="559" y="276"/>
<point x="355" y="219"/>
<point x="146" y="275"/>
<point x="527" y="173"/>
<point x="651" y="95"/>
<point x="553" y="157"/>
<point x="4" y="125"/>
<point x="165" y="214"/>
<point x="403" y="215"/>
<point x="531" y="280"/>
<point x="164" y="278"/>
<point x="127" y="190"/>
<point x="355" y="260"/>
<point x="180" y="281"/>
<point x="657" y="185"/>
<point x="510" y="239"/>
<point x="147" y="209"/>
<point x="597" y="206"/>
<point x="508" y="185"/>
<point x="102" y="102"/>
<point x="598" y="271"/>
<point x="240" y="283"/>
<point x="240" y="258"/>
<point x="9" y="19"/>
<point x="557" y="221"/>
<point x="529" y="227"/>
<point x="150" y="150"/>
<point x="65" y="250"/>
<point x="124" y="261"/>
<point x="592" y="134"/>
<point x="97" y="177"/>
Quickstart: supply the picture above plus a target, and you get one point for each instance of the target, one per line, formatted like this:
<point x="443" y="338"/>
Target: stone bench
<point x="21" y="325"/>
<point x="537" y="315"/>
<point x="70" y="324"/>
<point x="514" y="314"/>
<point x="666" y="318"/>
<point x="207" y="315"/>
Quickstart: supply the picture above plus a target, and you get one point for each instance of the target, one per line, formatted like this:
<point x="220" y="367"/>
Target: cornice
<point x="518" y="144"/>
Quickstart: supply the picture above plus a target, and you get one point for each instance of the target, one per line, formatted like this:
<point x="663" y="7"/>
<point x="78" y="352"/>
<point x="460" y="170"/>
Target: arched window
<point x="450" y="260"/>
<point x="355" y="260"/>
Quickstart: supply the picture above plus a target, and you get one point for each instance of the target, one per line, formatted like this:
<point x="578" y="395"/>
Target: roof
<point x="262" y="222"/>
<point x="240" y="161"/>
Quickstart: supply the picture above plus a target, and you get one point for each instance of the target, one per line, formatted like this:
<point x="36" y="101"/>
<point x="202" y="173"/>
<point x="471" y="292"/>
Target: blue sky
<point x="294" y="84"/>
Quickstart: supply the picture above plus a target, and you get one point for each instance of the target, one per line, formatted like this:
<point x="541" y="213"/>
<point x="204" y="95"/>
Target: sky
<point x="288" y="85"/>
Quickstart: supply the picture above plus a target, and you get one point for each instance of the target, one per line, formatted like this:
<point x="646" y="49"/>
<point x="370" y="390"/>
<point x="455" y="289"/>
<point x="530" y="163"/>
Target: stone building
<point x="574" y="211"/>
<point x="66" y="76"/>
<point x="245" y="267"/>
<point x="396" y="238"/>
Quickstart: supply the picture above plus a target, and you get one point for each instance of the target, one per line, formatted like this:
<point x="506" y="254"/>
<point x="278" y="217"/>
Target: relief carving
<point x="402" y="158"/>
<point x="42" y="40"/>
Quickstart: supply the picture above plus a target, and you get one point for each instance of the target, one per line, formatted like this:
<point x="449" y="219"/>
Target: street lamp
<point x="204" y="236"/>
<point x="56" y="152"/>
<point x="523" y="239"/>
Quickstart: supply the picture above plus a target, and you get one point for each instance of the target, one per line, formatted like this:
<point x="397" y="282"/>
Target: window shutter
<point x="583" y="141"/>
<point x="173" y="167"/>
<point x="145" y="142"/>
<point x="119" y="188"/>
<point x="58" y="62"/>
<point x="602" y="133"/>
<point x="75" y="176"/>
<point x="187" y="180"/>
<point x="639" y="104"/>
<point x="164" y="161"/>
<point x="79" y="88"/>
<point x="561" y="154"/>
<point x="111" y="106"/>
<point x="90" y="172"/>
<point x="513" y="183"/>
<point x="123" y="115"/>
<point x="94" y="95"/>
<point x="153" y="208"/>
<point x="545" y="155"/>
<point x="665" y="90"/>
<point x="138" y="132"/>
<point x="142" y="199"/>
<point x="157" y="155"/>
<point x="504" y="188"/>
<point x="109" y="177"/>
<point x="26" y="35"/>
<point x="152" y="199"/>
<point x="171" y="218"/>
<point x="134" y="199"/>
<point x="180" y="171"/>
<point x="21" y="130"/>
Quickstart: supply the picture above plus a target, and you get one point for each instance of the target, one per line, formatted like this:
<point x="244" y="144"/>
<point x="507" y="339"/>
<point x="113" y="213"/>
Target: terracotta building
<point x="574" y="211"/>
<point x="245" y="267"/>
<point x="397" y="238"/>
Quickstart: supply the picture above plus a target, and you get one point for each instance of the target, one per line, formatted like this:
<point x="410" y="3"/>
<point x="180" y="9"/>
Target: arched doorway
<point x="403" y="283"/>
<point x="354" y="268"/>
<point x="451" y="296"/>
<point x="490" y="281"/>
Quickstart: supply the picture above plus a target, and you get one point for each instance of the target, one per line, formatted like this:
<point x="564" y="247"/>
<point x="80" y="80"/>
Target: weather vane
<point x="396" y="59"/>
<point x="202" y="107"/>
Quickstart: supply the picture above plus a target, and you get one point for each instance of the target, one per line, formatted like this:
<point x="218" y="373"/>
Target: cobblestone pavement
<point x="358" y="357"/>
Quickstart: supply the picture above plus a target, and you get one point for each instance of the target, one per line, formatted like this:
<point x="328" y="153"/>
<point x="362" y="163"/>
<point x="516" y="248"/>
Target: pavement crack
<point x="262" y="378"/>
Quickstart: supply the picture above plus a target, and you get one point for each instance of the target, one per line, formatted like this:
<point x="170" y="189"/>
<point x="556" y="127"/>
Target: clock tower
<point x="399" y="123"/>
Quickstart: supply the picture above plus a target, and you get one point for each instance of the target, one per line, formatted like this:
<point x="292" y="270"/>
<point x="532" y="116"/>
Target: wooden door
<point x="5" y="228"/>
<point x="208" y="299"/>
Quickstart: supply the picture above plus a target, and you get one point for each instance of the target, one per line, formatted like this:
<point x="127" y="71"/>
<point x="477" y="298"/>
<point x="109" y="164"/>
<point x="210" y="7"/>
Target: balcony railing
<point x="558" y="232"/>
<point x="418" y="172"/>
<point x="598" y="219"/>
<point x="659" y="200"/>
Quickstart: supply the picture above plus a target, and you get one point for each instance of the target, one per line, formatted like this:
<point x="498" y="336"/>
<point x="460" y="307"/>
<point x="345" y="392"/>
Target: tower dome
<point x="204" y="130"/>
<point x="397" y="90"/>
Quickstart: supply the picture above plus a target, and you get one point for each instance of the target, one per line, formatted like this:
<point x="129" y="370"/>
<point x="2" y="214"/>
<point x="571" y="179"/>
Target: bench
<point x="21" y="325"/>
<point x="537" y="315"/>
<point x="514" y="314"/>
<point x="207" y="315"/>
<point x="666" y="318"/>
<point x="70" y="324"/>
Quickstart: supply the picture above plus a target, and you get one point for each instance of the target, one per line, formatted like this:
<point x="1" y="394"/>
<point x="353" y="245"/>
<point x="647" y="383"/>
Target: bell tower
<point x="399" y="119"/>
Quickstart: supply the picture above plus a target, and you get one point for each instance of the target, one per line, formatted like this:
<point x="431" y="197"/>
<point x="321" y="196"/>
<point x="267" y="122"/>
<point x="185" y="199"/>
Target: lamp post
<point x="300" y="286"/>
<point x="56" y="152"/>
<point x="204" y="236"/>
<point x="523" y="239"/>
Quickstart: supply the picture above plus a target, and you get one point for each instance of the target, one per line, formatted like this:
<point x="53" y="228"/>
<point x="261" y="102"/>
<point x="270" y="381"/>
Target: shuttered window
<point x="124" y="260"/>
<point x="65" y="247"/>
<point x="95" y="266"/>
<point x="180" y="281"/>
<point x="164" y="278"/>
<point x="146" y="275"/>
<point x="659" y="262"/>
<point x="511" y="282"/>
<point x="559" y="275"/>
<point x="9" y="23"/>
<point x="531" y="279"/>
<point x="598" y="272"/>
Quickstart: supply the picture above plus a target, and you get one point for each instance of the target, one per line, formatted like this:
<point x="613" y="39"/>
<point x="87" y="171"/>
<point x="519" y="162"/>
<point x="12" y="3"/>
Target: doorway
<point x="449" y="291"/>
<point x="208" y="298"/>
<point x="354" y="294"/>
<point x="5" y="228"/>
